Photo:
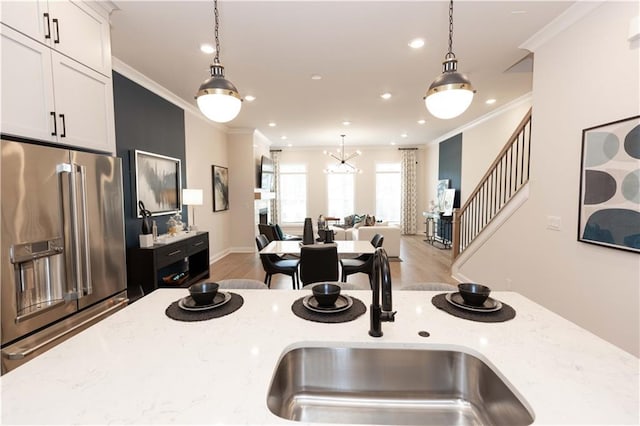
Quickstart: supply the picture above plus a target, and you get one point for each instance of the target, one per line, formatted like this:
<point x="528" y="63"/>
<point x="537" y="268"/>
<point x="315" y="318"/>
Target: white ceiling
<point x="270" y="49"/>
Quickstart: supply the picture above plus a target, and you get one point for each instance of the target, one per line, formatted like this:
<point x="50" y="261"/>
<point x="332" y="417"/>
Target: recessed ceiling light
<point x="207" y="48"/>
<point x="490" y="101"/>
<point x="316" y="77"/>
<point x="518" y="12"/>
<point x="404" y="135"/>
<point x="272" y="124"/>
<point x="393" y="143"/>
<point x="284" y="138"/>
<point x="386" y="95"/>
<point x="289" y="145"/>
<point x="422" y="121"/>
<point x="416" y="43"/>
<point x="249" y="98"/>
<point x="346" y="123"/>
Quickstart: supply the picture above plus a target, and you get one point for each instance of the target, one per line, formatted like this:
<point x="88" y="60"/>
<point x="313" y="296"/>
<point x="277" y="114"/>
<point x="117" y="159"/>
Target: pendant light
<point x="217" y="97"/>
<point x="451" y="93"/>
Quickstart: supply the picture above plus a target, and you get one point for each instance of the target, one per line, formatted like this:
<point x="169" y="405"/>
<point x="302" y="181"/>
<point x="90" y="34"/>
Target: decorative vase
<point x="147" y="227"/>
<point x="307" y="234"/>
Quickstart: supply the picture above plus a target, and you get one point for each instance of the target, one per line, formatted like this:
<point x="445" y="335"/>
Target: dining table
<point x="344" y="247"/>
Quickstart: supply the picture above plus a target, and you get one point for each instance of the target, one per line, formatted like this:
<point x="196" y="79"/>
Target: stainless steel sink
<point x="392" y="387"/>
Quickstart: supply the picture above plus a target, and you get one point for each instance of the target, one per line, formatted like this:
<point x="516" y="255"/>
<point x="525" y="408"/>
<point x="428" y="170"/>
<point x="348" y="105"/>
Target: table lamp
<point x="192" y="197"/>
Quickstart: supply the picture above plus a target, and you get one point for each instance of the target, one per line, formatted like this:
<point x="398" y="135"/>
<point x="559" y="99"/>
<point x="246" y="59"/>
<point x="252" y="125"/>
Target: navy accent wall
<point x="147" y="122"/>
<point x="450" y="164"/>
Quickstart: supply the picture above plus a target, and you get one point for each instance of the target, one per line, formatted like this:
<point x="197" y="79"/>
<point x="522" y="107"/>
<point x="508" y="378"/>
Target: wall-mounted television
<point x="267" y="174"/>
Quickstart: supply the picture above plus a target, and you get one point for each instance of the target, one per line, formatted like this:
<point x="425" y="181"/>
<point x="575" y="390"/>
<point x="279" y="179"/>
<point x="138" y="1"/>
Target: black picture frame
<point x="220" y="184"/>
<point x="158" y="183"/>
<point x="609" y="205"/>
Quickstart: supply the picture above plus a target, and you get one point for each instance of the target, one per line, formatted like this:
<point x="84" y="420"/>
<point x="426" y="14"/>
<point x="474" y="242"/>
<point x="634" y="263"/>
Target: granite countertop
<point x="139" y="366"/>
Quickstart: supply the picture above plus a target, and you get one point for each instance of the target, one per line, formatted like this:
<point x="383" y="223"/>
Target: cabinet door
<point x="84" y="105"/>
<point x="27" y="88"/>
<point x="28" y="17"/>
<point x="82" y="34"/>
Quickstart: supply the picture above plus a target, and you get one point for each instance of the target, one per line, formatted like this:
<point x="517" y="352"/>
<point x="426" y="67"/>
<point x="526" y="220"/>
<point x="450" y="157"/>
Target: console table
<point x="146" y="267"/>
<point x="438" y="229"/>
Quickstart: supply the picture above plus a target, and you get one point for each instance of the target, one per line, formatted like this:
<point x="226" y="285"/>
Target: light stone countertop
<point x="141" y="367"/>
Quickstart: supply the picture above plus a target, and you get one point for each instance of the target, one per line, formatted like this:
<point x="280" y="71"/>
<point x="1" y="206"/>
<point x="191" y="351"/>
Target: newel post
<point x="456" y="234"/>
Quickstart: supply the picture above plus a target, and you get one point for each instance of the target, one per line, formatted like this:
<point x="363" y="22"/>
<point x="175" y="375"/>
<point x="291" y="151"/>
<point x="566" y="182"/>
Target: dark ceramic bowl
<point x="474" y="294"/>
<point x="203" y="293"/>
<point x="326" y="294"/>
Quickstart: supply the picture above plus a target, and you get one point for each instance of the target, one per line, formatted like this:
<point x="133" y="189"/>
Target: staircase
<point x="508" y="174"/>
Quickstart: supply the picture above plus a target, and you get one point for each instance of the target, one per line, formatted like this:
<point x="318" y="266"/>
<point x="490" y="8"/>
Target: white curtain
<point x="408" y="192"/>
<point x="275" y="202"/>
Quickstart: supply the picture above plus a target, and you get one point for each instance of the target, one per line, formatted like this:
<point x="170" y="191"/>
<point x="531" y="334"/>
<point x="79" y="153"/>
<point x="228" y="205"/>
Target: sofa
<point x="390" y="233"/>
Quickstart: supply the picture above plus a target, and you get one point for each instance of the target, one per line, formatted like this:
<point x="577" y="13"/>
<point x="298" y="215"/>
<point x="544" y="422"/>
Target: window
<point x="340" y="194"/>
<point x="293" y="192"/>
<point x="388" y="192"/>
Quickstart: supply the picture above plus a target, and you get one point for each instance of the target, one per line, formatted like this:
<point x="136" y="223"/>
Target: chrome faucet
<point x="380" y="281"/>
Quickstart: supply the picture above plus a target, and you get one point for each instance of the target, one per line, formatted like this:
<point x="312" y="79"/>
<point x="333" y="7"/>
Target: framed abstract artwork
<point x="609" y="210"/>
<point x="220" y="178"/>
<point x="158" y="183"/>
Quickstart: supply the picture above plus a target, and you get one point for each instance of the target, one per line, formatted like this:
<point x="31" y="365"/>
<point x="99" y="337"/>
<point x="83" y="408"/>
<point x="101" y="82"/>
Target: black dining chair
<point x="268" y="231"/>
<point x="362" y="263"/>
<point x="274" y="264"/>
<point x="318" y="263"/>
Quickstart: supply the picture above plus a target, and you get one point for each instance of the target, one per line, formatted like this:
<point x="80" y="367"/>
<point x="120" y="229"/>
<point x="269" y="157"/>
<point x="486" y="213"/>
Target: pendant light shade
<point x="218" y="98"/>
<point x="451" y="93"/>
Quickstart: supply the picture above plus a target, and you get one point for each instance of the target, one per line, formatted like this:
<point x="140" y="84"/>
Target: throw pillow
<point x="369" y="220"/>
<point x="279" y="232"/>
<point x="349" y="220"/>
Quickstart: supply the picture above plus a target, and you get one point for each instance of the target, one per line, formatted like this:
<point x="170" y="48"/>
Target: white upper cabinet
<point x="27" y="87"/>
<point x="70" y="27"/>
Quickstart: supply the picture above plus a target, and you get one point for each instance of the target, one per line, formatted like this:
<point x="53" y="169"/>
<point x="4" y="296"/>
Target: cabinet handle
<point x="57" y="28"/>
<point x="55" y="124"/>
<point x="199" y="243"/>
<point x="173" y="253"/>
<point x="48" y="23"/>
<point x="64" y="126"/>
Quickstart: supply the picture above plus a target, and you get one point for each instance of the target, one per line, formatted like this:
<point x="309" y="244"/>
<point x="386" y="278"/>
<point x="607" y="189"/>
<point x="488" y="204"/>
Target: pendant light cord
<point x="217" y="17"/>
<point x="450" y="54"/>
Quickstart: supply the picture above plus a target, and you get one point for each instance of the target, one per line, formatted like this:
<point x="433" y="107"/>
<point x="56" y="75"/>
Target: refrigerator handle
<point x="86" y="252"/>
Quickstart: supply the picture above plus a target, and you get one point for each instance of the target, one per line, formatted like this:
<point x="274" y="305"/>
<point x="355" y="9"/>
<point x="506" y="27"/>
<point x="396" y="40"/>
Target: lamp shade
<point x="449" y="95"/>
<point x="217" y="98"/>
<point x="192" y="197"/>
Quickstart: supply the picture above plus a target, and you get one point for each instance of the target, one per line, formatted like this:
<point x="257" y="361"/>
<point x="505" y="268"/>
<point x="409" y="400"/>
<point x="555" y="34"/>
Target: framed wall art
<point x="220" y="178"/>
<point x="158" y="183"/>
<point x="609" y="210"/>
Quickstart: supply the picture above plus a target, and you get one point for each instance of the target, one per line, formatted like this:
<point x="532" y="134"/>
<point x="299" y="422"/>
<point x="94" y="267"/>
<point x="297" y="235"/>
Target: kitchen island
<point x="140" y="367"/>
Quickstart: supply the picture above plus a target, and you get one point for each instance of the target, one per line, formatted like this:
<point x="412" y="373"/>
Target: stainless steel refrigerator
<point x="63" y="247"/>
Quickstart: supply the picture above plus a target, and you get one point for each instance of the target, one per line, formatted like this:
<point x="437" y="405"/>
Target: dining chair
<point x="242" y="283"/>
<point x="268" y="231"/>
<point x="428" y="287"/>
<point x="318" y="263"/>
<point x="362" y="263"/>
<point x="273" y="264"/>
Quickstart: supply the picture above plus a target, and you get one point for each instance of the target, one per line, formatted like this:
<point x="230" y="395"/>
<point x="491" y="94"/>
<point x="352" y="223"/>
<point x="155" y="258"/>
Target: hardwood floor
<point x="421" y="262"/>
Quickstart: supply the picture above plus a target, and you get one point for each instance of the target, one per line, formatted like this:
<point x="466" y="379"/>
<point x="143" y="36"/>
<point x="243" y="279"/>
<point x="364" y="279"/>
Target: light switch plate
<point x="554" y="223"/>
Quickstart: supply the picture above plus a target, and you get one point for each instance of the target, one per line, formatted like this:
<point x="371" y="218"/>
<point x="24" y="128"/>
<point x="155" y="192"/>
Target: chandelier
<point x="343" y="165"/>
<point x="217" y="97"/>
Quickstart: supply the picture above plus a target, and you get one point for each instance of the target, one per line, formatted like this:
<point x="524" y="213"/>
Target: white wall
<point x="365" y="199"/>
<point x="585" y="76"/>
<point x="242" y="182"/>
<point x="205" y="145"/>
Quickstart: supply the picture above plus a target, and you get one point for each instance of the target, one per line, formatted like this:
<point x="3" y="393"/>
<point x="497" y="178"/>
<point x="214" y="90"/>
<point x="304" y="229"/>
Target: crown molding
<point x="151" y="85"/>
<point x="563" y="21"/>
<point x="528" y="97"/>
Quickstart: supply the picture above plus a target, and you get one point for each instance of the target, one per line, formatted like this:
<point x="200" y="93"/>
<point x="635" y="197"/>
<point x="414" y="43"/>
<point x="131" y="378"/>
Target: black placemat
<point x="350" y="314"/>
<point x="504" y="314"/>
<point x="179" y="314"/>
